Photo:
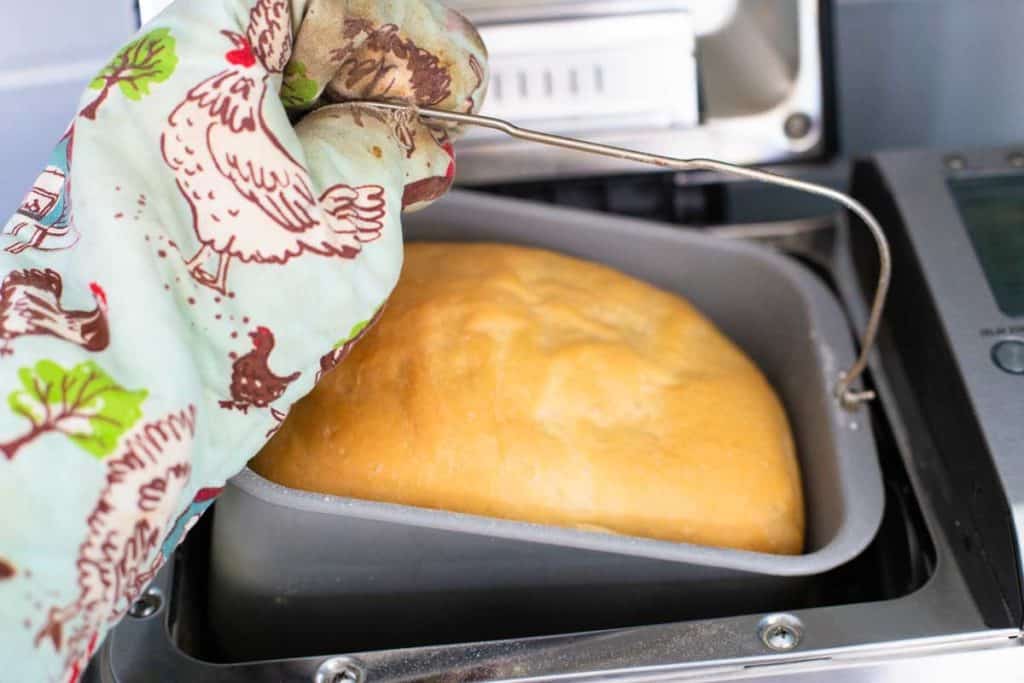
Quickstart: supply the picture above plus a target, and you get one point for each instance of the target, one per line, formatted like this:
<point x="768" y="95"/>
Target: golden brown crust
<point x="522" y="384"/>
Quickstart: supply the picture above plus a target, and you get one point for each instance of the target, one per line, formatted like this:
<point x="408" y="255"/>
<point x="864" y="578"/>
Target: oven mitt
<point x="208" y="236"/>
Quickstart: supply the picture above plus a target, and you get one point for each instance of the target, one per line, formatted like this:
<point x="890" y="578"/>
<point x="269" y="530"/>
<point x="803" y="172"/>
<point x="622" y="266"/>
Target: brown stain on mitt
<point x="7" y="570"/>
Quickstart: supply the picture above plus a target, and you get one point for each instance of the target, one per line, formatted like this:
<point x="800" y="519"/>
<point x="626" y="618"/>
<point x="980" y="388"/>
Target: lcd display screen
<point x="992" y="208"/>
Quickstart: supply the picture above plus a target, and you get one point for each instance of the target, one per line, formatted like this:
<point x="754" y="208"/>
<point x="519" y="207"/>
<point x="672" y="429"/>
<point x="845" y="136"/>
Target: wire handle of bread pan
<point x="849" y="397"/>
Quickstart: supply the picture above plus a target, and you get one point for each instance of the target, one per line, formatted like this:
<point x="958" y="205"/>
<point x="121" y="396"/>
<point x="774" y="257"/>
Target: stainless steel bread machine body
<point x="952" y="615"/>
<point x="287" y="556"/>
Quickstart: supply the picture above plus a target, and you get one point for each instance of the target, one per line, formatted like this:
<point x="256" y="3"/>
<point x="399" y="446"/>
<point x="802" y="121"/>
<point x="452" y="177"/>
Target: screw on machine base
<point x="340" y="670"/>
<point x="147" y="605"/>
<point x="780" y="632"/>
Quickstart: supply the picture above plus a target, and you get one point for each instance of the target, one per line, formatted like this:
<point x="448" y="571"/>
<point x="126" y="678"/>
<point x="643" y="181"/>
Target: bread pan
<point x="295" y="573"/>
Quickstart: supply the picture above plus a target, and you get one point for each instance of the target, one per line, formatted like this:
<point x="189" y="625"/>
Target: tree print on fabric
<point x="84" y="403"/>
<point x="357" y="330"/>
<point x="340" y="351"/>
<point x="140" y="64"/>
<point x="118" y="556"/>
<point x="298" y="90"/>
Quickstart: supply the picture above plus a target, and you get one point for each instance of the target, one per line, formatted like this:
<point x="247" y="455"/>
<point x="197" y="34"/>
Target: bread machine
<point x="927" y="585"/>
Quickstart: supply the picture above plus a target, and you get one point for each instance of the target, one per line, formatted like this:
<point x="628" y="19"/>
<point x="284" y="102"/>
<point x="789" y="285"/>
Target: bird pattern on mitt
<point x="214" y="231"/>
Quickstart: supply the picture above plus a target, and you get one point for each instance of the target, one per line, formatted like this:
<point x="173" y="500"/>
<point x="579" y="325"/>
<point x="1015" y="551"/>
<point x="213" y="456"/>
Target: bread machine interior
<point x="908" y="499"/>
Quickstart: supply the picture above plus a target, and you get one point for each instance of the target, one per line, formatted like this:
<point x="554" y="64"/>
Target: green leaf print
<point x="298" y="90"/>
<point x="83" y="403"/>
<point x="141" y="63"/>
<point x="357" y="329"/>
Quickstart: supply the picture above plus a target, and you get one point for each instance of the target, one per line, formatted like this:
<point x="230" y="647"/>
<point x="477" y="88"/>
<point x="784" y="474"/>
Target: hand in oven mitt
<point x="183" y="270"/>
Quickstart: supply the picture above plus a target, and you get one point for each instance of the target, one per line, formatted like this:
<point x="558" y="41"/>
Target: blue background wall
<point x="49" y="49"/>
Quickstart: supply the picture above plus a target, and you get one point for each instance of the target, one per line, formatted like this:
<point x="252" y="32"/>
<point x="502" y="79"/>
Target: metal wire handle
<point x="847" y="396"/>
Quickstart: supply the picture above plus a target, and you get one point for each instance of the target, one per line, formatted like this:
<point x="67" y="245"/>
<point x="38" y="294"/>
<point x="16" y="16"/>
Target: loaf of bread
<point x="522" y="384"/>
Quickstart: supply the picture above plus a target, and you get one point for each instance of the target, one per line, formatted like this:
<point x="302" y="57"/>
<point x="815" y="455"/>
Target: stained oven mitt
<point x="183" y="270"/>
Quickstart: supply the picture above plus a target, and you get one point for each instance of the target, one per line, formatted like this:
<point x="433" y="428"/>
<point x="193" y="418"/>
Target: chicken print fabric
<point x="212" y="233"/>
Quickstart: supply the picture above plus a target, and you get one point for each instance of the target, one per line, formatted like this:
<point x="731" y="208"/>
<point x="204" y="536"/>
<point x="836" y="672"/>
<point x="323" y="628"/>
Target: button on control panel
<point x="1008" y="356"/>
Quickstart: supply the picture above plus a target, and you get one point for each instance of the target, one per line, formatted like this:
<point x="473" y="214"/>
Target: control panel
<point x="956" y="313"/>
